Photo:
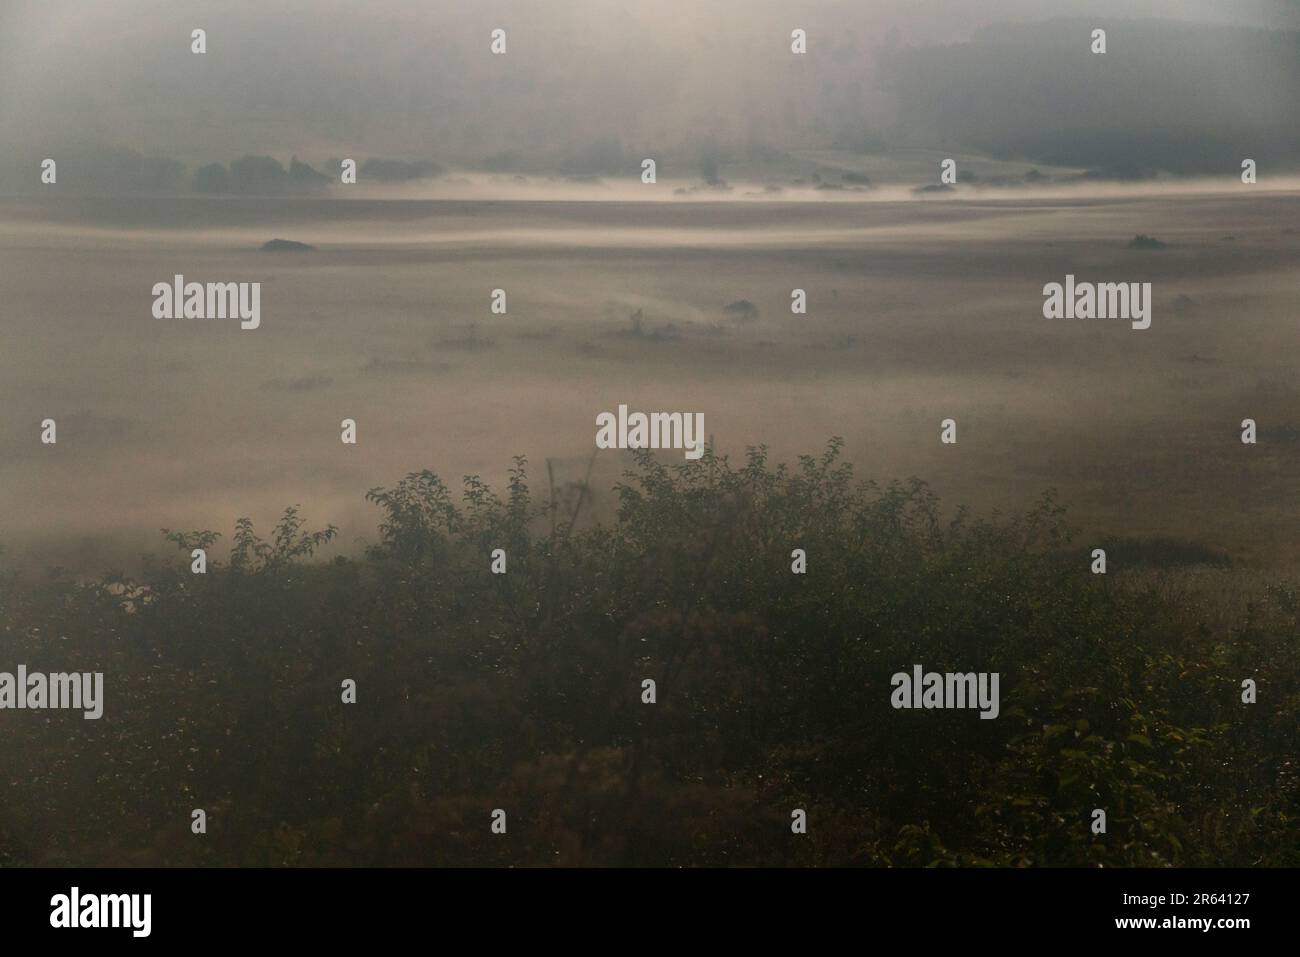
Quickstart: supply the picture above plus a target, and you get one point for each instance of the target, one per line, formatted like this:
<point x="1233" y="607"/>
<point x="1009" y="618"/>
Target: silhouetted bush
<point x="1146" y="242"/>
<point x="742" y="310"/>
<point x="523" y="691"/>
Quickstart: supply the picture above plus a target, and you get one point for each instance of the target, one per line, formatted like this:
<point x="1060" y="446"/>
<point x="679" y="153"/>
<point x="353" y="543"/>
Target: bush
<point x="523" y="691"/>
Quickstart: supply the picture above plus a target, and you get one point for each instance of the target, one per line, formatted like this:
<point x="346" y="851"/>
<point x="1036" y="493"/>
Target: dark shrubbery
<point x="523" y="691"/>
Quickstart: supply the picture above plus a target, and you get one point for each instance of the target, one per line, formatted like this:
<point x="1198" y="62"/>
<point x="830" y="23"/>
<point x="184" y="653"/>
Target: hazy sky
<point x="414" y="77"/>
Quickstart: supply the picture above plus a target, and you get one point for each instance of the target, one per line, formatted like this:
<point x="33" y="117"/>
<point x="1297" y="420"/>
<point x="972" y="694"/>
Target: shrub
<point x="523" y="691"/>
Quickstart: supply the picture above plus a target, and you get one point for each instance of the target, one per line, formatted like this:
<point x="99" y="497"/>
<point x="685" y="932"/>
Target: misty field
<point x="521" y="691"/>
<point x="917" y="311"/>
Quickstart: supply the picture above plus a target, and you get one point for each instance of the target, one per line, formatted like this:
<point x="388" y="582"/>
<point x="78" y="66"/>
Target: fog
<point x="919" y="310"/>
<point x="522" y="172"/>
<point x="591" y="87"/>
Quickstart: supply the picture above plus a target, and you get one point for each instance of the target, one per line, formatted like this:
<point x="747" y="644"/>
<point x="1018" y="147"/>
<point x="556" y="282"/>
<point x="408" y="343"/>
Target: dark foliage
<point x="523" y="691"/>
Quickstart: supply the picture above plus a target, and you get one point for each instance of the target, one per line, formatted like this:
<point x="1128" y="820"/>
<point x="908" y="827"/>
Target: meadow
<point x="523" y="691"/>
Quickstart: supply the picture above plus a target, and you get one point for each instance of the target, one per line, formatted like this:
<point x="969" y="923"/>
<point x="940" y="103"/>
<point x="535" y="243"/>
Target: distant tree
<point x="258" y="175"/>
<point x="303" y="176"/>
<point x="1146" y="242"/>
<point x="212" y="178"/>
